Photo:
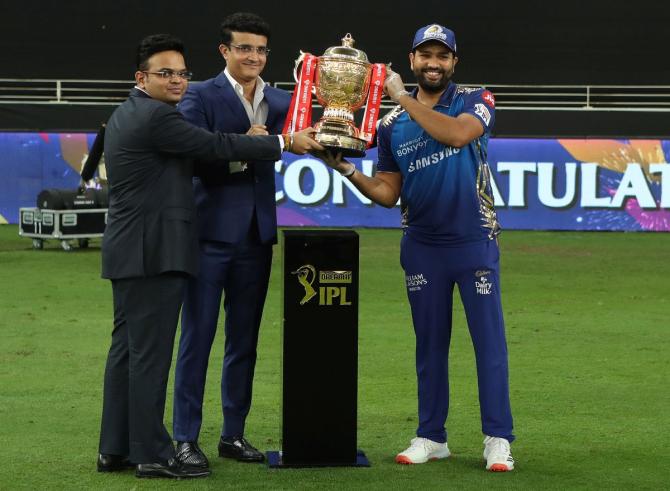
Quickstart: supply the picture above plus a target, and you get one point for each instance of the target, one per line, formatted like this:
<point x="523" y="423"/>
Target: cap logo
<point x="434" y="32"/>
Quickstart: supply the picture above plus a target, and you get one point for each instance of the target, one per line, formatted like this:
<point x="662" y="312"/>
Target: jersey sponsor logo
<point x="414" y="282"/>
<point x="483" y="112"/>
<point x="489" y="99"/>
<point x="432" y="159"/>
<point x="483" y="286"/>
<point x="411" y="146"/>
<point x="482" y="272"/>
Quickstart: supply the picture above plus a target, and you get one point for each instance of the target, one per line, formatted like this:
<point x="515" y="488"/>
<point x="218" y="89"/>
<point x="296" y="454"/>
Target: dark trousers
<point x="431" y="274"/>
<point x="146" y="311"/>
<point x="241" y="272"/>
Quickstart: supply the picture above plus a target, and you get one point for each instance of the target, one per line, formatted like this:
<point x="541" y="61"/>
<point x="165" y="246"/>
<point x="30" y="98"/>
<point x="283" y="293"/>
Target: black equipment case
<point x="65" y="215"/>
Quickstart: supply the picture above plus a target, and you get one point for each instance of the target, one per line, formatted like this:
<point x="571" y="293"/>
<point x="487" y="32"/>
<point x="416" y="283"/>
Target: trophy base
<point x="348" y="145"/>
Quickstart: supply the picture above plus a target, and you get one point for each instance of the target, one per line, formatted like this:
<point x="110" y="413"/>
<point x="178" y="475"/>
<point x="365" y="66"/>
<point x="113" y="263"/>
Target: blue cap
<point x="435" y="32"/>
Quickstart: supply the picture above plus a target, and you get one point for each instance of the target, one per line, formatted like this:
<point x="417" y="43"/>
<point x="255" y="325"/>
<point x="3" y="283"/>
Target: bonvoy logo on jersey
<point x="411" y="146"/>
<point x="414" y="282"/>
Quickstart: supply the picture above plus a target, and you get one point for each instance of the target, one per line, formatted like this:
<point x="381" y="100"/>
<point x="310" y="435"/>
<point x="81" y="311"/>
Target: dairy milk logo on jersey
<point x="414" y="282"/>
<point x="432" y="159"/>
<point x="483" y="286"/>
<point x="483" y="113"/>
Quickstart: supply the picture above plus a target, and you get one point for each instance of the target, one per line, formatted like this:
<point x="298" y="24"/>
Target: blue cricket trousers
<point x="430" y="275"/>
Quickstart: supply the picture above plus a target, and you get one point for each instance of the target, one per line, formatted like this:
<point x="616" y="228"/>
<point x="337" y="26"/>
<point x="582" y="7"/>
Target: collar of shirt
<point x="445" y="98"/>
<point x="239" y="90"/>
<point x="141" y="90"/>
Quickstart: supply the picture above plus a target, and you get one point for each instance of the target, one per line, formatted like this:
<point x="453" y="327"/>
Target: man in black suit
<point x="150" y="248"/>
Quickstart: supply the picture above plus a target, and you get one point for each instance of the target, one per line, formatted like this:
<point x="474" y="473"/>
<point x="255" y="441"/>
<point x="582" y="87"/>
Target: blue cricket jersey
<point x="446" y="191"/>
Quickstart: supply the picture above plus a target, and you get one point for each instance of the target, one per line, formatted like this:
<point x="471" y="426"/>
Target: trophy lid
<point x="347" y="51"/>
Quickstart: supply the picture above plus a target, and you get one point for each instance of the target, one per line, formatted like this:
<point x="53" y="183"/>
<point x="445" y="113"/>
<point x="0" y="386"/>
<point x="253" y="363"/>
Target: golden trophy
<point x="343" y="79"/>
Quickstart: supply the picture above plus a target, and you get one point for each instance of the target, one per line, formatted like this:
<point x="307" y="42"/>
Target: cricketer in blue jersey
<point x="432" y="155"/>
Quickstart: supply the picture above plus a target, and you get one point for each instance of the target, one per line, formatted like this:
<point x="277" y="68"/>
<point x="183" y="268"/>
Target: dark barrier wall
<point x="509" y="123"/>
<point x="567" y="41"/>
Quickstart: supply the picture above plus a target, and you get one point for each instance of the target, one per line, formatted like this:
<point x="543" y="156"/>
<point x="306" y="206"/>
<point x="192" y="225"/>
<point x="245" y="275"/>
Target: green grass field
<point x="588" y="329"/>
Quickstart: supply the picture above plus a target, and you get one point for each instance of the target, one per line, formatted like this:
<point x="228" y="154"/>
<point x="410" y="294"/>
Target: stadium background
<point x="586" y="313"/>
<point x="574" y="43"/>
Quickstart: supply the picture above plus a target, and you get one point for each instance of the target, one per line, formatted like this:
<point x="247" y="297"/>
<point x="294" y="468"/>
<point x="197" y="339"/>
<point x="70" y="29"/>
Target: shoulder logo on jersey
<point x="489" y="99"/>
<point x="483" y="112"/>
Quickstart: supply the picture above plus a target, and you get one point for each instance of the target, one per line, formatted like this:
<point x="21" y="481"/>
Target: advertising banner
<point x="538" y="184"/>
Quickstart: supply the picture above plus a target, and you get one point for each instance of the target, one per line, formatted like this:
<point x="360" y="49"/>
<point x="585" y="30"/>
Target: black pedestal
<point x="320" y="350"/>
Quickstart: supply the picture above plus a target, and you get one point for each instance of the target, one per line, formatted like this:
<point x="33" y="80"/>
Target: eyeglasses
<point x="247" y="49"/>
<point x="170" y="74"/>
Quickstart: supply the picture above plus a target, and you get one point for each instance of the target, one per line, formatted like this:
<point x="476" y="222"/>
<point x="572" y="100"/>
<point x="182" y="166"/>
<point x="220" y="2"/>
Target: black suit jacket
<point x="149" y="149"/>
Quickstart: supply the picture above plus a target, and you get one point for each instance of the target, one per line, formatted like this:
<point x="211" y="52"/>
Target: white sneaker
<point x="422" y="450"/>
<point x="498" y="454"/>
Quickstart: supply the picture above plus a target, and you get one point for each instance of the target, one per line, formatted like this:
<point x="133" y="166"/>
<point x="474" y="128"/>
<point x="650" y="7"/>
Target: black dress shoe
<point x="189" y="453"/>
<point x="113" y="463"/>
<point x="171" y="469"/>
<point x="239" y="448"/>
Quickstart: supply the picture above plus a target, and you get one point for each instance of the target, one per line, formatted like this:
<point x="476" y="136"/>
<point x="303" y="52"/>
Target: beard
<point x="433" y="86"/>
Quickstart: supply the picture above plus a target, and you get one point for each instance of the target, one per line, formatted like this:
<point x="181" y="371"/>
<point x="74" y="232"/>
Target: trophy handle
<point x="296" y="69"/>
<point x="296" y="66"/>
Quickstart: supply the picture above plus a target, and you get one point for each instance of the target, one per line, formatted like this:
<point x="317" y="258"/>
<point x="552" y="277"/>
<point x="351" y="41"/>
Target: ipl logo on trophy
<point x="343" y="80"/>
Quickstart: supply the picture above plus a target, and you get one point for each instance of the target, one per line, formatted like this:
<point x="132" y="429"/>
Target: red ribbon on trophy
<point x="299" y="114"/>
<point x="371" y="115"/>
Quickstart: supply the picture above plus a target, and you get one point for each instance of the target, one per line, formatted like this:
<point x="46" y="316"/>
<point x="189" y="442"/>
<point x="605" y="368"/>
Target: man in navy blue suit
<point x="237" y="224"/>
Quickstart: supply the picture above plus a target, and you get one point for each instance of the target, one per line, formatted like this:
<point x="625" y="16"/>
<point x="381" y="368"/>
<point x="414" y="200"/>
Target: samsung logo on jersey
<point x="432" y="158"/>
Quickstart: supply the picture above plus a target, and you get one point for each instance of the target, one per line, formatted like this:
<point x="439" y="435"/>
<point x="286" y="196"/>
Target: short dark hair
<point x="243" y="22"/>
<point x="155" y="43"/>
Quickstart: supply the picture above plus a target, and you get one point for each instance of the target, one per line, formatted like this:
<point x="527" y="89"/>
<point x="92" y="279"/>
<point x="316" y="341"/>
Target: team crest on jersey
<point x="489" y="99"/>
<point x="483" y="113"/>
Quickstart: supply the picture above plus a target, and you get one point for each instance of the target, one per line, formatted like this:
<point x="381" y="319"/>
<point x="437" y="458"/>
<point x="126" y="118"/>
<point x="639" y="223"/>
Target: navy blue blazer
<point x="227" y="202"/>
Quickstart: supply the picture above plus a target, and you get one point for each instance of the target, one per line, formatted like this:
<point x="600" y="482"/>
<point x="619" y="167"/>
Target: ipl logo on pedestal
<point x="306" y="276"/>
<point x="328" y="295"/>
